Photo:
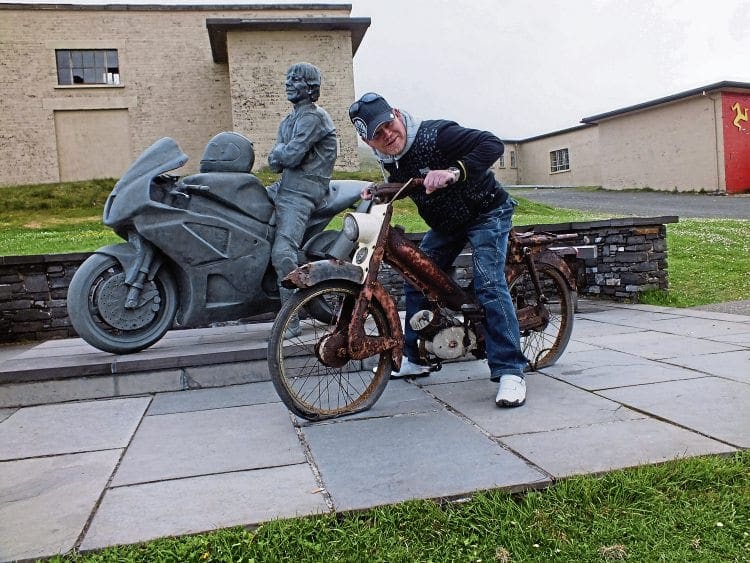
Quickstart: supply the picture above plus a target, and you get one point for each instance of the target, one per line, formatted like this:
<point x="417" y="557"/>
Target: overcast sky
<point x="526" y="67"/>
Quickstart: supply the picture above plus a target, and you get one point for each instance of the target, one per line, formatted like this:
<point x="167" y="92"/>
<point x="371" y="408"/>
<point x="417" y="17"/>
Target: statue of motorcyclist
<point x="304" y="154"/>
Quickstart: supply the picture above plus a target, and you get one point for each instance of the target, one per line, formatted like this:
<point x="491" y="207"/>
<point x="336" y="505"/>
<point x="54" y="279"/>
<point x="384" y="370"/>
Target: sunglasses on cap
<point x="365" y="99"/>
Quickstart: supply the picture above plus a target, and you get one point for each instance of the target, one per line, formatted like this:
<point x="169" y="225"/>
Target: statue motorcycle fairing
<point x="198" y="247"/>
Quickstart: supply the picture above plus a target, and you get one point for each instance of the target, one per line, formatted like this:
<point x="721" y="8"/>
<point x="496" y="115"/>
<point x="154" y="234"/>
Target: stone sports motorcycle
<point x="198" y="248"/>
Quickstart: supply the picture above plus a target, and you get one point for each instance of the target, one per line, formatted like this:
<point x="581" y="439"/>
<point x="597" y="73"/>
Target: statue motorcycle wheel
<point x="198" y="248"/>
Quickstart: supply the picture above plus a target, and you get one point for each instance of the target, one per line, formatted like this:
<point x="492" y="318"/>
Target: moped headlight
<point x="351" y="229"/>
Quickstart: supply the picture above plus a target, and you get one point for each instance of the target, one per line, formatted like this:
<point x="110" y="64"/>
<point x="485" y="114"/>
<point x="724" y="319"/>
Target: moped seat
<point x="239" y="190"/>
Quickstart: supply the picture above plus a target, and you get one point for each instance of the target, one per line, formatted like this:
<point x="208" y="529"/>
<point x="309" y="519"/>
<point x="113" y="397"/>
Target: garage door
<point x="92" y="143"/>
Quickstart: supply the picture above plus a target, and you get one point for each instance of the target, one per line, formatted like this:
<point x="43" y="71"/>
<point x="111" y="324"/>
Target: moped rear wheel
<point x="544" y="339"/>
<point x="311" y="372"/>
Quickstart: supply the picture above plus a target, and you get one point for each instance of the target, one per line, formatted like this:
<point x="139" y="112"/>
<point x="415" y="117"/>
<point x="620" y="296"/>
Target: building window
<point x="501" y="161"/>
<point x="87" y="66"/>
<point x="559" y="161"/>
<point x="512" y="159"/>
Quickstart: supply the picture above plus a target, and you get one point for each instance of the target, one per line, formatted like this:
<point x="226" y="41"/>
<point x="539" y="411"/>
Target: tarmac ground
<point x="189" y="435"/>
<point x="640" y="203"/>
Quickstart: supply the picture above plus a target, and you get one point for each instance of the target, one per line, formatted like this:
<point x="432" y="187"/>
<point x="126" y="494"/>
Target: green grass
<point x="687" y="510"/>
<point x="709" y="259"/>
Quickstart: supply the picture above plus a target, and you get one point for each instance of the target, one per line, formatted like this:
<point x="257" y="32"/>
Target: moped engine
<point x="444" y="335"/>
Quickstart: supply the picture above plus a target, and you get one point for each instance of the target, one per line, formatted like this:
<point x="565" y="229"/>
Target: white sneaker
<point x="512" y="392"/>
<point x="410" y="369"/>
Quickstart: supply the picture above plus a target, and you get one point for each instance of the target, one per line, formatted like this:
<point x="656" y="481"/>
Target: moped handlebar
<point x="390" y="191"/>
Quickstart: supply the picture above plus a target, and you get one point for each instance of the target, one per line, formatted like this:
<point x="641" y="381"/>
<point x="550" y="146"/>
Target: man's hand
<point x="366" y="192"/>
<point x="437" y="179"/>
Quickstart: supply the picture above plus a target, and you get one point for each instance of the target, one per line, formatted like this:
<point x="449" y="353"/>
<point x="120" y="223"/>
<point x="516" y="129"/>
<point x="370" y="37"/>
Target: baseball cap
<point x="370" y="112"/>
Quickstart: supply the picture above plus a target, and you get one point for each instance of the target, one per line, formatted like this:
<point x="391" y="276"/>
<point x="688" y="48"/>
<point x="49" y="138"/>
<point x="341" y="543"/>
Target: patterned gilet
<point x="453" y="207"/>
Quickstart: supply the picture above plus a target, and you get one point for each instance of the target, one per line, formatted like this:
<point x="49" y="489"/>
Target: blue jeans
<point x="488" y="237"/>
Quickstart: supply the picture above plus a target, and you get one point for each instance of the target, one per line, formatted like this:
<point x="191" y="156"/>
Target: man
<point x="460" y="201"/>
<point x="305" y="153"/>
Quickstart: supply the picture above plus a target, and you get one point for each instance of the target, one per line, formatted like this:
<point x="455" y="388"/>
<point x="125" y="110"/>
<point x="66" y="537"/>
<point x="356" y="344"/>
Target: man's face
<point x="296" y="88"/>
<point x="390" y="138"/>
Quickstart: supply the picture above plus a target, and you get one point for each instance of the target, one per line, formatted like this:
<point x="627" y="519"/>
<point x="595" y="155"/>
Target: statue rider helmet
<point x="228" y="152"/>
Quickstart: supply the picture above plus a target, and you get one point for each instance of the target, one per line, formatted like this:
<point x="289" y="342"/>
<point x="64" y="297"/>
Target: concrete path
<point x="637" y="385"/>
<point x="640" y="203"/>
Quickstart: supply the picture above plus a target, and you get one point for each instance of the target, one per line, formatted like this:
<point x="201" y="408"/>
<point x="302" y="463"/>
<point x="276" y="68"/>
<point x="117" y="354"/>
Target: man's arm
<point x="473" y="150"/>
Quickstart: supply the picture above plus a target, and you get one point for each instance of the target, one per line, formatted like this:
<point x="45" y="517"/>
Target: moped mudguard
<point x="320" y="271"/>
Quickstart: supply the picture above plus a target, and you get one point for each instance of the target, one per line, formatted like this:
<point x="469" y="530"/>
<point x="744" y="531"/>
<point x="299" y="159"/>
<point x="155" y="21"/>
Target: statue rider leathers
<point x="304" y="154"/>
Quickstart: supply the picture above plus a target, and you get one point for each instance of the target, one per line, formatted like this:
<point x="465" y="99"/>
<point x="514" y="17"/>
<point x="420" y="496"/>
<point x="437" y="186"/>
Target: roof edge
<point x="701" y="90"/>
<point x="218" y="28"/>
<point x="173" y="7"/>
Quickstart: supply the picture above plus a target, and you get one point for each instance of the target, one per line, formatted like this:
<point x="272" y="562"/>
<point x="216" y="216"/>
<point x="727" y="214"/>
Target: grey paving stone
<point x="630" y="317"/>
<point x="550" y="405"/>
<point x="46" y="502"/>
<point x="658" y="345"/>
<point x="700" y="328"/>
<point x="70" y="427"/>
<point x="742" y="339"/>
<point x="579" y="345"/>
<point x="597" y="448"/>
<point x="183" y="506"/>
<point x="227" y="373"/>
<point x="713" y="406"/>
<point x="602" y="369"/>
<point x="732" y="365"/>
<point x="372" y="462"/>
<point x="400" y="397"/>
<point x="83" y="388"/>
<point x="5" y="413"/>
<point x="171" y="446"/>
<point x="584" y="327"/>
<point x="457" y="371"/>
<point x="213" y="398"/>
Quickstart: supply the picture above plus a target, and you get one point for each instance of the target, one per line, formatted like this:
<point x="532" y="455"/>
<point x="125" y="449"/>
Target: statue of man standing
<point x="305" y="153"/>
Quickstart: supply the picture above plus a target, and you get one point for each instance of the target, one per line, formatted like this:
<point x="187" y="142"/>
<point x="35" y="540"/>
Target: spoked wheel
<point x="545" y="328"/>
<point x="312" y="372"/>
<point x="96" y="306"/>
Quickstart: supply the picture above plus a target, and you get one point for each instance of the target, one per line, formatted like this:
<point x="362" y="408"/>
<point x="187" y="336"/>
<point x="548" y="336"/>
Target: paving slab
<point x="700" y="328"/>
<point x="213" y="398"/>
<point x="602" y="369"/>
<point x="185" y="506"/>
<point x="45" y="502"/>
<point x="630" y="317"/>
<point x="585" y="327"/>
<point x="81" y="388"/>
<point x="596" y="448"/>
<point x="171" y="446"/>
<point x="371" y="462"/>
<point x="732" y="365"/>
<point x="5" y="413"/>
<point x="70" y="427"/>
<point x="713" y="406"/>
<point x="550" y="405"/>
<point x="401" y="397"/>
<point x="658" y="345"/>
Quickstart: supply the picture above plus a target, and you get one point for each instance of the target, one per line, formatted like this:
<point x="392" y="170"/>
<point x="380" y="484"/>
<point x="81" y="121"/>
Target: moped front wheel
<point x="312" y="373"/>
<point x="545" y="326"/>
<point x="96" y="306"/>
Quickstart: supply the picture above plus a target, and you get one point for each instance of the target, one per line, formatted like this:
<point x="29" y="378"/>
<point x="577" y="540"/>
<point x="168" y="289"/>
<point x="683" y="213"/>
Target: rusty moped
<point x="343" y="366"/>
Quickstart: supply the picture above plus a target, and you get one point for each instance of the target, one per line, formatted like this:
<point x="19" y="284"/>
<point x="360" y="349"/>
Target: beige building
<point x="84" y="89"/>
<point x="694" y="140"/>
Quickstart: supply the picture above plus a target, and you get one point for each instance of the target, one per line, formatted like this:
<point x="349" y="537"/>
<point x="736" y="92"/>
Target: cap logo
<point x="360" y="126"/>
